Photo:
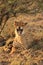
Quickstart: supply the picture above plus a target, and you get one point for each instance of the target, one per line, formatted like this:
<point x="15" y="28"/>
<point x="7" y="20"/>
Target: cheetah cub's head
<point x="19" y="28"/>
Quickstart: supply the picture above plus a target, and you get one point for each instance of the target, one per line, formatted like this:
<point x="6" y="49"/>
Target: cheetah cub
<point x="19" y="33"/>
<point x="19" y="36"/>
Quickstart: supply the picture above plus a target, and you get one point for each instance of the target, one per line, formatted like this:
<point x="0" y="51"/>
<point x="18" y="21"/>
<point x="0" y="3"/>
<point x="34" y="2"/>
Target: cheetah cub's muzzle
<point x="19" y="30"/>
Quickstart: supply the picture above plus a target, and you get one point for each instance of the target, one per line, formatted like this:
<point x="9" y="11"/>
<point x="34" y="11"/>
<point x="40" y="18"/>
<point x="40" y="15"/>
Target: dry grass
<point x="32" y="56"/>
<point x="30" y="11"/>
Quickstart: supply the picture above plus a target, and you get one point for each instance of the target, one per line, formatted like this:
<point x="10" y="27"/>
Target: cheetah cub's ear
<point x="25" y="23"/>
<point x="16" y="23"/>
